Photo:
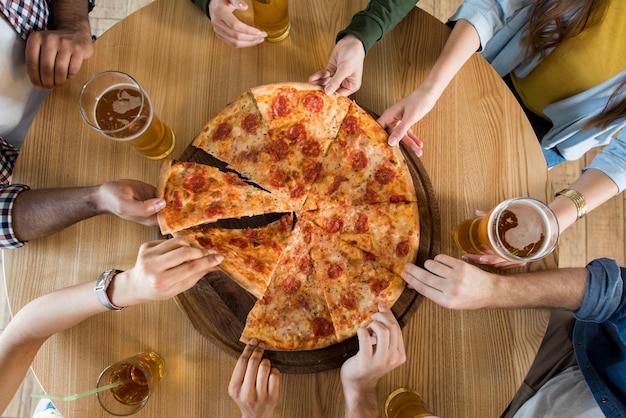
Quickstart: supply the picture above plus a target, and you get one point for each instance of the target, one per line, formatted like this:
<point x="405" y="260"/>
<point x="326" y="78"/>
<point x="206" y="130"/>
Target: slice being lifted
<point x="250" y="255"/>
<point x="196" y="194"/>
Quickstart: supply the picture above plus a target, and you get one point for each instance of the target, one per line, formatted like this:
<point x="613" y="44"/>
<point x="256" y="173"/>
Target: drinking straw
<point x="78" y="395"/>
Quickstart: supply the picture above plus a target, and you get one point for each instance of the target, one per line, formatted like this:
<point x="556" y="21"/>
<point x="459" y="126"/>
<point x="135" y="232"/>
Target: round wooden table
<point x="479" y="150"/>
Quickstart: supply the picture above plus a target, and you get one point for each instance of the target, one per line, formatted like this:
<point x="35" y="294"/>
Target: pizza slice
<point x="354" y="284"/>
<point x="360" y="168"/>
<point x="250" y="255"/>
<point x="283" y="106"/>
<point x="292" y="314"/>
<point x="196" y="194"/>
<point x="388" y="231"/>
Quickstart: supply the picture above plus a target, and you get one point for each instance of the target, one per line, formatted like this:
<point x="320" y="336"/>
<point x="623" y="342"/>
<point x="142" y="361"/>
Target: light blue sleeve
<point x="612" y="160"/>
<point x="604" y="293"/>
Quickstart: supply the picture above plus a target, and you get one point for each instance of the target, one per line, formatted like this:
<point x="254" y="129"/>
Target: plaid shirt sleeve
<point x="8" y="193"/>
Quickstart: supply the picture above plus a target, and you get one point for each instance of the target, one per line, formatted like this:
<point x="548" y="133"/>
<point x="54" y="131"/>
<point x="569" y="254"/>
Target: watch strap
<point x="102" y="284"/>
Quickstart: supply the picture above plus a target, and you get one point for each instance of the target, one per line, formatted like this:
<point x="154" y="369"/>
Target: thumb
<point x="335" y="82"/>
<point x="398" y="133"/>
<point x="152" y="206"/>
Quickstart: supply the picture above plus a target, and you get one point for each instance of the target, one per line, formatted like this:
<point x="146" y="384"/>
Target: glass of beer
<point x="131" y="382"/>
<point x="405" y="403"/>
<point x="272" y="17"/>
<point x="116" y="106"/>
<point x="518" y="230"/>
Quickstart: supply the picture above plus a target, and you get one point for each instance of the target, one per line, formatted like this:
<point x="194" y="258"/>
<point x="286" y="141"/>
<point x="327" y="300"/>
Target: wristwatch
<point x="102" y="284"/>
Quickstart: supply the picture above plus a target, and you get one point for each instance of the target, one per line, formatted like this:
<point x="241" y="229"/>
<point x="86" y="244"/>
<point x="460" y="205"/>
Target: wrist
<point x="120" y="292"/>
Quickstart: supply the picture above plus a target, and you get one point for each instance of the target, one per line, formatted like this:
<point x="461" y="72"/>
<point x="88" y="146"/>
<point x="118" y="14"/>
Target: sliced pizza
<point x="196" y="194"/>
<point x="250" y="255"/>
<point x="292" y="314"/>
<point x="389" y="231"/>
<point x="360" y="168"/>
<point x="354" y="284"/>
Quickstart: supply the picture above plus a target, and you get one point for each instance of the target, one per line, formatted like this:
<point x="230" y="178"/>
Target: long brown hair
<point x="553" y="21"/>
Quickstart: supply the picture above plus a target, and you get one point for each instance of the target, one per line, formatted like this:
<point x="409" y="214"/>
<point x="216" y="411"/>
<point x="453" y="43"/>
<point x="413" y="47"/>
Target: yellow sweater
<point x="578" y="63"/>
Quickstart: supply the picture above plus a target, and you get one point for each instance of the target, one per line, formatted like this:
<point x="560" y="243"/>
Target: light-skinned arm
<point x="55" y="56"/>
<point x="381" y="349"/>
<point x="163" y="269"/>
<point x="460" y="46"/>
<point x="254" y="384"/>
<point x="229" y="28"/>
<point x="42" y="212"/>
<point x="455" y="284"/>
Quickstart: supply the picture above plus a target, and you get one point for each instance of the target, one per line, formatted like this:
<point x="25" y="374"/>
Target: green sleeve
<point x="203" y="5"/>
<point x="378" y="18"/>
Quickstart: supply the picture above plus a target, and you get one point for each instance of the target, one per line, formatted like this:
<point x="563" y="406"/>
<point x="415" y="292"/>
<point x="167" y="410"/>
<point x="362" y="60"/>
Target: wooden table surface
<point x="479" y="150"/>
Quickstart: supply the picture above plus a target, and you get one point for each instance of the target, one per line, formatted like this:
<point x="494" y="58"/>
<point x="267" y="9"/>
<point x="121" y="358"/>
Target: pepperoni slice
<point x="398" y="198"/>
<point x="279" y="149"/>
<point x="267" y="299"/>
<point x="334" y="224"/>
<point x="250" y="123"/>
<point x="348" y="302"/>
<point x="298" y="191"/>
<point x="378" y="286"/>
<point x="195" y="183"/>
<point x="367" y="256"/>
<point x="358" y="160"/>
<point x="370" y="196"/>
<point x="402" y="248"/>
<point x="205" y="242"/>
<point x="234" y="179"/>
<point x="291" y="285"/>
<point x="311" y="171"/>
<point x="313" y="102"/>
<point x="361" y="225"/>
<point x="322" y="327"/>
<point x="222" y="131"/>
<point x="336" y="183"/>
<point x="305" y="304"/>
<point x="296" y="133"/>
<point x="238" y="242"/>
<point x="307" y="232"/>
<point x="251" y="155"/>
<point x="350" y="125"/>
<point x="306" y="265"/>
<point x="334" y="270"/>
<point x="385" y="175"/>
<point x="177" y="201"/>
<point x="311" y="148"/>
<point x="286" y="222"/>
<point x="256" y="264"/>
<point x="281" y="106"/>
<point x="277" y="178"/>
<point x="213" y="209"/>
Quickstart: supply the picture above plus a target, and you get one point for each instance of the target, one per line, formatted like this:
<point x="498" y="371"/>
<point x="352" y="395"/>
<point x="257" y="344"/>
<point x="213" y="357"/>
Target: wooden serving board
<point x="217" y="307"/>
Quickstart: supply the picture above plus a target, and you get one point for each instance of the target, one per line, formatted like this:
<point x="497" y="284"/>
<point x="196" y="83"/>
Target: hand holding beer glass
<point x="518" y="230"/>
<point x="116" y="106"/>
<point x="272" y="17"/>
<point x="131" y="383"/>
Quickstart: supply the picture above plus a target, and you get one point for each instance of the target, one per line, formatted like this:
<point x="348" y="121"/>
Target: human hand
<point x="55" y="56"/>
<point x="255" y="383"/>
<point x="452" y="283"/>
<point x="399" y="118"/>
<point x="164" y="268"/>
<point x="381" y="349"/>
<point x="132" y="200"/>
<point x="344" y="71"/>
<point x="230" y="29"/>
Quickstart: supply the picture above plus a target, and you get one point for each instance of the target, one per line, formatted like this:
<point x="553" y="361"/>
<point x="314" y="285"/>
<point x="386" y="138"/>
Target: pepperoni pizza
<point x="350" y="219"/>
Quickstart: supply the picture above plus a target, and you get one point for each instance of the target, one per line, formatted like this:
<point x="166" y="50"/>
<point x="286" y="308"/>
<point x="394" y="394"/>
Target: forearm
<point x="595" y="186"/>
<point x="360" y="402"/>
<point x="39" y="213"/>
<point x="33" y="325"/>
<point x="552" y="289"/>
<point x="70" y="15"/>
<point x="460" y="46"/>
